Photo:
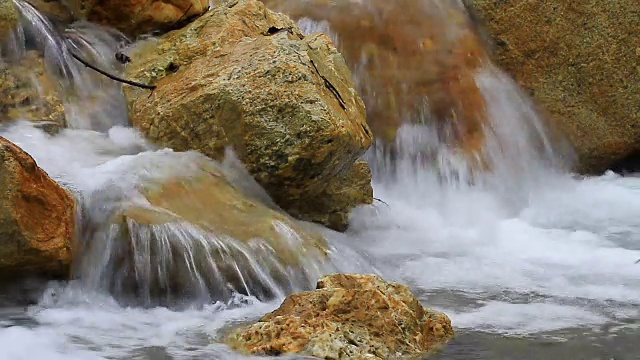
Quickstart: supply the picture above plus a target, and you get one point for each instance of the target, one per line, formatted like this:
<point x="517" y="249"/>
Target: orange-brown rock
<point x="37" y="217"/>
<point x="414" y="62"/>
<point x="136" y="17"/>
<point x="348" y="316"/>
<point x="55" y="10"/>
<point x="580" y="60"/>
<point x="242" y="76"/>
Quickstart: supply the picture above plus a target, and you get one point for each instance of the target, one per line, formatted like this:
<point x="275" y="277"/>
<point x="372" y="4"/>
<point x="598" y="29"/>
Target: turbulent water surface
<point x="529" y="261"/>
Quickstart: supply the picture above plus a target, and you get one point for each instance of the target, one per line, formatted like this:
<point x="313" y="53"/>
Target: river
<point x="530" y="262"/>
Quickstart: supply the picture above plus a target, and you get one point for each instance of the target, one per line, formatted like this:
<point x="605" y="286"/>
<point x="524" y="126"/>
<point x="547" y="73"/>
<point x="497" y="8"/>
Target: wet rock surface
<point x="203" y="235"/>
<point x="137" y="17"/>
<point x="37" y="217"/>
<point x="28" y="92"/>
<point x="579" y="60"/>
<point x="244" y="77"/>
<point x="348" y="316"/>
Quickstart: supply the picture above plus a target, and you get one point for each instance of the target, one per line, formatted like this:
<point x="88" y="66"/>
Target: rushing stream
<point x="529" y="261"/>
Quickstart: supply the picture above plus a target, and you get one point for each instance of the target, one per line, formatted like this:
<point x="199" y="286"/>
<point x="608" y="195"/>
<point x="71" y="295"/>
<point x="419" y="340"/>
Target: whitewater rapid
<point x="566" y="260"/>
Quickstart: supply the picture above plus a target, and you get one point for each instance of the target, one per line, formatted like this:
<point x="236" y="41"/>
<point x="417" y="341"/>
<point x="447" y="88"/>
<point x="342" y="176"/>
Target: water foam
<point x="172" y="262"/>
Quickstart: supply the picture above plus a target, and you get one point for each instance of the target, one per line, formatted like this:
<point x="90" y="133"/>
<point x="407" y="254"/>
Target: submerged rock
<point x="37" y="217"/>
<point x="28" y="92"/>
<point x="189" y="230"/>
<point x="8" y="18"/>
<point x="245" y="77"/>
<point x="579" y="60"/>
<point x="348" y="316"/>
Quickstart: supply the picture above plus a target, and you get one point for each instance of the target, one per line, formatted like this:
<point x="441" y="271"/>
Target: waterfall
<point x="518" y="154"/>
<point x="90" y="101"/>
<point x="478" y="212"/>
<point x="142" y="253"/>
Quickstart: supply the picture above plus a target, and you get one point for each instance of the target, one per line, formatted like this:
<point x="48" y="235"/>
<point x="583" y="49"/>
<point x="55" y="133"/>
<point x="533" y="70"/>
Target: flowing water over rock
<point x="528" y="261"/>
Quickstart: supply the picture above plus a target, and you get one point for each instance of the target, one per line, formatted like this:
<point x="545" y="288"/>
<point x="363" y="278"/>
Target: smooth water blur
<point x="171" y="262"/>
<point x="529" y="261"/>
<point x="90" y="100"/>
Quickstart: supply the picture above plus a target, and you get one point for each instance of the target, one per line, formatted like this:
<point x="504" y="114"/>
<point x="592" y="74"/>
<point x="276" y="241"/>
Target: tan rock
<point x="28" y="92"/>
<point x="37" y="217"/>
<point x="342" y="193"/>
<point x="8" y="18"/>
<point x="348" y="316"/>
<point x="136" y="17"/>
<point x="413" y="62"/>
<point x="195" y="220"/>
<point x="283" y="102"/>
<point x="579" y="60"/>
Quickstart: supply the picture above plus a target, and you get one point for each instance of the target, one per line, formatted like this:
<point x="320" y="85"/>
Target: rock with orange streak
<point x="37" y="217"/>
<point x="135" y="17"/>
<point x="348" y="316"/>
<point x="409" y="60"/>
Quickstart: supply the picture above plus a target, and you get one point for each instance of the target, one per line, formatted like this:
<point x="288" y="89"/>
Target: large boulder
<point x="37" y="217"/>
<point x="8" y="18"/>
<point x="244" y="77"/>
<point x="189" y="227"/>
<point x="578" y="59"/>
<point x="28" y="92"/>
<point x="412" y="63"/>
<point x="348" y="316"/>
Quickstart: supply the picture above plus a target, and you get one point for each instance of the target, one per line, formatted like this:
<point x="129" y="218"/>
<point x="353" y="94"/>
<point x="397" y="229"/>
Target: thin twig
<point x="112" y="77"/>
<point x="381" y="201"/>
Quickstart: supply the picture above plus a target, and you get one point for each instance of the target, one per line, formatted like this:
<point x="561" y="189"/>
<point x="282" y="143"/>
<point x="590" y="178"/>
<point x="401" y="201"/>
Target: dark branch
<point x="380" y="201"/>
<point x="112" y="77"/>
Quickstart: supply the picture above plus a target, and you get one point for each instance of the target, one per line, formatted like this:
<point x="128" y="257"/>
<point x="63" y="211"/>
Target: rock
<point x="8" y="18"/>
<point x="348" y="316"/>
<point x="54" y="10"/>
<point x="412" y="63"/>
<point x="245" y="77"/>
<point x="579" y="60"/>
<point x="193" y="217"/>
<point x="37" y="217"/>
<point x="137" y="17"/>
<point x="28" y="92"/>
<point x="331" y="207"/>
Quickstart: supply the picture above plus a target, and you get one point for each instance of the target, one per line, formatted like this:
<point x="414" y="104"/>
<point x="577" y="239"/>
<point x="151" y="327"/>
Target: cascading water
<point x="167" y="260"/>
<point x="91" y="101"/>
<point x="522" y="249"/>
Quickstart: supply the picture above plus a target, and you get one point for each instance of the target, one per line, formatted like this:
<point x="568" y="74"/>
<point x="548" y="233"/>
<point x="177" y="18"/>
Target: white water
<point x="523" y="252"/>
